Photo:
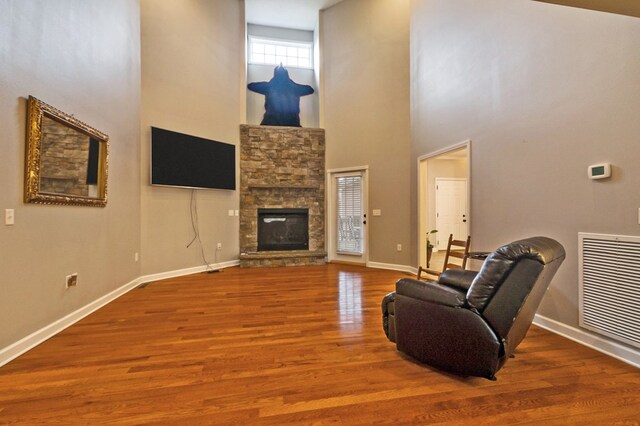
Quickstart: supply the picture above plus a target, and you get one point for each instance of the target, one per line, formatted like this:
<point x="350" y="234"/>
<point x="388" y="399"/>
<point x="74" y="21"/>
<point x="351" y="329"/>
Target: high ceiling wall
<point x="193" y="83"/>
<point x="82" y="57"/>
<point x="542" y="92"/>
<point x="365" y="92"/>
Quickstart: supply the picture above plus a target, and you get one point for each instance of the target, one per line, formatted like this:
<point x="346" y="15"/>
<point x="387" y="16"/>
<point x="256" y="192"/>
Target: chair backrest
<point x="511" y="284"/>
<point x="458" y="249"/>
<point x="455" y="248"/>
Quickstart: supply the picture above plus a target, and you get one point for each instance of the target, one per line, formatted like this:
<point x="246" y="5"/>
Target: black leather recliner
<point x="470" y="322"/>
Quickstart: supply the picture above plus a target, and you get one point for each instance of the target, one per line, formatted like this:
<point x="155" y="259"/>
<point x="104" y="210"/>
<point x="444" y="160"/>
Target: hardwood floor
<point x="299" y="345"/>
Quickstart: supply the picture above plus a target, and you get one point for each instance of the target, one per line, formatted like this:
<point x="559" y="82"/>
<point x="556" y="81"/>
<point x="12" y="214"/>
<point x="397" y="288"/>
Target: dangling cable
<point x="193" y="222"/>
<point x="195" y="226"/>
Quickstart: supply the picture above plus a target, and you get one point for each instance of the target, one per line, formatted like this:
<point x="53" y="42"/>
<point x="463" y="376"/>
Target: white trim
<point x="392" y="267"/>
<point x="187" y="271"/>
<point x="600" y="344"/>
<point x="7" y="354"/>
<point x="455" y="147"/>
<point x="27" y="343"/>
<point x="613" y="349"/>
<point x="347" y="169"/>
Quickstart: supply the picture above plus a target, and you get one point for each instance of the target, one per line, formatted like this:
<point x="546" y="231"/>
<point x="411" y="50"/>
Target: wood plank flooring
<point x="291" y="346"/>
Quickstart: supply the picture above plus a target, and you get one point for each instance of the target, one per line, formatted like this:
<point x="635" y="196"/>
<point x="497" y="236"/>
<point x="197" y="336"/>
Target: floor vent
<point x="609" y="267"/>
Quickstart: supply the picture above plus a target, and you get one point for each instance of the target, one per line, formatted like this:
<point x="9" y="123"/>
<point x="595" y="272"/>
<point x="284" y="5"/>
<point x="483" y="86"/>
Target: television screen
<point x="191" y="162"/>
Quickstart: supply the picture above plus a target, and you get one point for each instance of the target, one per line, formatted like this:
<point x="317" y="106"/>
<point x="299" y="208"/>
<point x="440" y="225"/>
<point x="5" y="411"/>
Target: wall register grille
<point x="609" y="288"/>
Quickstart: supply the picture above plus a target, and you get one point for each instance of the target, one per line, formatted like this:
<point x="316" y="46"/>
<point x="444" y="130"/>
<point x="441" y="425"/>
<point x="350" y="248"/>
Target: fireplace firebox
<point x="283" y="229"/>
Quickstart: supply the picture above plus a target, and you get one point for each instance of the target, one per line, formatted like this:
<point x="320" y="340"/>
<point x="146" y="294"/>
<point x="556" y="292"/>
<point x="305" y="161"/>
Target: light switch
<point x="237" y="212"/>
<point x="9" y="217"/>
<point x="377" y="212"/>
<point x="230" y="212"/>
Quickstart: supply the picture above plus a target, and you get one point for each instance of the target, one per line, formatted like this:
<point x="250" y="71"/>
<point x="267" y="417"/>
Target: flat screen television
<point x="191" y="162"/>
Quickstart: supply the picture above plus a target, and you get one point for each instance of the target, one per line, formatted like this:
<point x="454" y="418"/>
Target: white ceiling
<point x="298" y="14"/>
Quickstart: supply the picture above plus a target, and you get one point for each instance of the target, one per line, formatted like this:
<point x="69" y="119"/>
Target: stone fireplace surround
<point x="281" y="167"/>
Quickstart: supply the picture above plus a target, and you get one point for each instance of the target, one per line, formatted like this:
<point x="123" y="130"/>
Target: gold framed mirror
<point x="66" y="160"/>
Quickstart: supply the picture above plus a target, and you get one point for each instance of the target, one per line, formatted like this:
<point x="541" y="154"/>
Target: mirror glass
<point x="66" y="159"/>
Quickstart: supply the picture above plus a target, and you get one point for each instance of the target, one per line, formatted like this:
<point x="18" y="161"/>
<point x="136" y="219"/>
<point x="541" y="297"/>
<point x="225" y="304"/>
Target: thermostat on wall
<point x="600" y="171"/>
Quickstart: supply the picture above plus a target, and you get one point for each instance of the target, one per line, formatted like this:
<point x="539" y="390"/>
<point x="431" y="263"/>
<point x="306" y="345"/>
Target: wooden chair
<point x="455" y="248"/>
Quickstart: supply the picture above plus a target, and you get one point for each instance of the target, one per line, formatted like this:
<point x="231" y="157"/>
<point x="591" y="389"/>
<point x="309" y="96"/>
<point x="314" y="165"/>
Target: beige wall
<point x="542" y="91"/>
<point x="365" y="110"/>
<point x="192" y="81"/>
<point x="81" y="56"/>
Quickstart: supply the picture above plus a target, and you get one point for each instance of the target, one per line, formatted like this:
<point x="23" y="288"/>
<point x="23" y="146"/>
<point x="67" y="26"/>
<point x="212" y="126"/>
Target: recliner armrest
<point x="458" y="278"/>
<point x="431" y="291"/>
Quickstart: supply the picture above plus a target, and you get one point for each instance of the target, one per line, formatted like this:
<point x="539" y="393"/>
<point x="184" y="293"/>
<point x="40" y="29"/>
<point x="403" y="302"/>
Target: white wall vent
<point x="609" y="268"/>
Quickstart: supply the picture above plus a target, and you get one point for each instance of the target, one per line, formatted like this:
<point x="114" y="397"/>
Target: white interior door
<point x="348" y="217"/>
<point x="451" y="210"/>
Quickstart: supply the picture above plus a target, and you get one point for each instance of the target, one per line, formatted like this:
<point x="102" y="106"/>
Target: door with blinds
<point x="348" y="217"/>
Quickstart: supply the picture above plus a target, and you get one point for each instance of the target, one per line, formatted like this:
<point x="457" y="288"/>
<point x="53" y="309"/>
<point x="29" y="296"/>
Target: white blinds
<point x="350" y="215"/>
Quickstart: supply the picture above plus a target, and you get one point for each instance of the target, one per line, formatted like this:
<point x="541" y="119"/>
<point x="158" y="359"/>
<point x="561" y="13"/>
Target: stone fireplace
<point x="282" y="190"/>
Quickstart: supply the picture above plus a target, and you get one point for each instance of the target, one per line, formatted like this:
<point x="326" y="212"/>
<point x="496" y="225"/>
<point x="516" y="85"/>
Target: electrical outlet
<point x="72" y="280"/>
<point x="399" y="247"/>
<point x="9" y="216"/>
<point x="219" y="246"/>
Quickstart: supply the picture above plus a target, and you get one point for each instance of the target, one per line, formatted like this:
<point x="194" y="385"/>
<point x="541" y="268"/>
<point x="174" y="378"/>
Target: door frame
<point x="423" y="190"/>
<point x="331" y="216"/>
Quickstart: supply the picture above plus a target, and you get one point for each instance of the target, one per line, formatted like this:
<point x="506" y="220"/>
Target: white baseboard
<point x="187" y="271"/>
<point x="23" y="345"/>
<point x="392" y="267"/>
<point x="601" y="344"/>
<point x="593" y="341"/>
<point x="16" y="349"/>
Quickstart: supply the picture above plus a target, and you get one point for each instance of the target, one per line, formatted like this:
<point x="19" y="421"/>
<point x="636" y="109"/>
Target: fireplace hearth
<point x="283" y="229"/>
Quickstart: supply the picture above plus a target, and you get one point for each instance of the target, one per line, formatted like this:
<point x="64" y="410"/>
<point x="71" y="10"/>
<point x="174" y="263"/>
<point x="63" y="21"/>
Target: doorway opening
<point x="444" y="182"/>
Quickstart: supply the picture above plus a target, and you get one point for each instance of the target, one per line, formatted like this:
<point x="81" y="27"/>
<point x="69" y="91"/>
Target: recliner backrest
<point x="509" y="288"/>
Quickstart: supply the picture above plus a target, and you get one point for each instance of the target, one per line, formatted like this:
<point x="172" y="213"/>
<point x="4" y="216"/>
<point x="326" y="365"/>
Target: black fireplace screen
<point x="283" y="229"/>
